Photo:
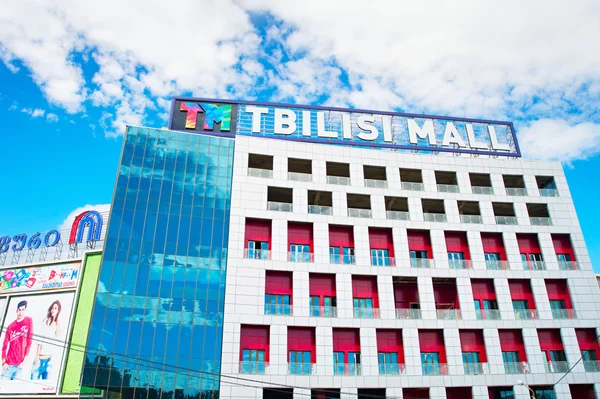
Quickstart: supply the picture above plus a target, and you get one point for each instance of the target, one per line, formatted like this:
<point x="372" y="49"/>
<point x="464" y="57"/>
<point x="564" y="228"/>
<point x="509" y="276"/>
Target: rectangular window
<point x="430" y="363"/>
<point x="354" y="363"/>
<point x="558" y="304"/>
<point x="315" y="306"/>
<point x="388" y="363"/>
<point x="418" y="255"/>
<point x="558" y="356"/>
<point x="380" y="257"/>
<point x="277" y="304"/>
<point x="334" y="255"/>
<point x="258" y="250"/>
<point x="456" y="259"/>
<point x="544" y="393"/>
<point x="325" y="309"/>
<point x="471" y="362"/>
<point x="338" y="363"/>
<point x="363" y="308"/>
<point x="512" y="363"/>
<point x="300" y="362"/>
<point x="299" y="253"/>
<point x="253" y="361"/>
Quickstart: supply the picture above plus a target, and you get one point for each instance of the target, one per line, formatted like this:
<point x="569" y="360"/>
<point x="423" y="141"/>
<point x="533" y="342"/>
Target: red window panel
<point x="390" y="341"/>
<point x="346" y="340"/>
<point x="419" y="240"/>
<point x="321" y="284"/>
<point x="405" y="293"/>
<point x="586" y="337"/>
<point x="582" y="391"/>
<point x="445" y="294"/>
<point x="493" y="244"/>
<point x="512" y="341"/>
<point x="550" y="340"/>
<point x="381" y="239"/>
<point x="456" y="241"/>
<point x="558" y="290"/>
<point x="341" y="236"/>
<point x="520" y="290"/>
<point x="563" y="246"/>
<point x="257" y="230"/>
<point x="365" y="287"/>
<point x="278" y="283"/>
<point x="433" y="341"/>
<point x="302" y="339"/>
<point x="472" y="341"/>
<point x="459" y="393"/>
<point x="528" y="244"/>
<point x="256" y="338"/>
<point x="415" y="393"/>
<point x="483" y="289"/>
<point x="301" y="234"/>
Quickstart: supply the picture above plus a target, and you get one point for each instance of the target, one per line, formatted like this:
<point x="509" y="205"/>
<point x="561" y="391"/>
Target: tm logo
<point x="90" y="219"/>
<point x="213" y="113"/>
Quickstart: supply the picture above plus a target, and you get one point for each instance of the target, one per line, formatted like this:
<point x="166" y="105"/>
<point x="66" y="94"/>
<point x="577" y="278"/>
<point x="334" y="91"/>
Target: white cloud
<point x="34" y="113"/>
<point x="68" y="222"/>
<point x="50" y="117"/>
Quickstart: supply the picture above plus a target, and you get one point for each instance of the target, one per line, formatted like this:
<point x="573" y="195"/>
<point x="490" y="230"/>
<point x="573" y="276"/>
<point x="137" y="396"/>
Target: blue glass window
<point x="363" y="308"/>
<point x="380" y="257"/>
<point x="253" y="361"/>
<point x="430" y="363"/>
<point x="277" y="304"/>
<point x="300" y="253"/>
<point x="388" y="363"/>
<point x="300" y="362"/>
<point x="258" y="250"/>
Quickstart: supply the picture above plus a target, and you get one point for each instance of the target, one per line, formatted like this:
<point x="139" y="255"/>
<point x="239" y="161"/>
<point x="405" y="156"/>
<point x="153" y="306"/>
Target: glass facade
<point x="157" y="323"/>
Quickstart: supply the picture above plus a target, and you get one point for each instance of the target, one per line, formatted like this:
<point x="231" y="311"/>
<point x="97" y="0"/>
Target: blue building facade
<point x="157" y="324"/>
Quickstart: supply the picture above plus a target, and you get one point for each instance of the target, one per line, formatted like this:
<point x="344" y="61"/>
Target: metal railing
<point x="360" y="213"/>
<point x="563" y="314"/>
<point x="537" y="221"/>
<point x="447" y="188"/>
<point x="592" y="366"/>
<point x="471" y="219"/>
<point x="279" y="206"/>
<point x="534" y="265"/>
<point x="302" y="257"/>
<point x="516" y="368"/>
<point x="260" y="172"/>
<point x="421" y="263"/>
<point x="278" y="310"/>
<point x="460" y="264"/>
<point x="347" y="369"/>
<point x="410" y="314"/>
<point x="299" y="176"/>
<point x="366" y="313"/>
<point x="435" y="369"/>
<point x="257" y="254"/>
<point x="434" y="217"/>
<point x="488" y="314"/>
<point x="482" y="190"/>
<point x="476" y="368"/>
<point x="568" y="265"/>
<point x="516" y="191"/>
<point x="397" y="215"/>
<point x="548" y="192"/>
<point x="342" y="259"/>
<point x="253" y="367"/>
<point x="301" y="368"/>
<point x="526" y="314"/>
<point x="506" y="220"/>
<point x="448" y="314"/>
<point x="320" y="210"/>
<point x="382" y="261"/>
<point x="492" y="264"/>
<point x="392" y="369"/>
<point x="339" y="180"/>
<point x="323" y="311"/>
<point x="376" y="183"/>
<point x="556" y="367"/>
<point x="407" y="185"/>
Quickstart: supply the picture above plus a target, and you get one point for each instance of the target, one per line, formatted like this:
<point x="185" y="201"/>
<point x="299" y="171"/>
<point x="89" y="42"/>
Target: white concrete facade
<point x="244" y="301"/>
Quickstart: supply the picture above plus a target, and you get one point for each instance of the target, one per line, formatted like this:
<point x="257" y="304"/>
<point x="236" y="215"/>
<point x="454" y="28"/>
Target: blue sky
<point x="74" y="73"/>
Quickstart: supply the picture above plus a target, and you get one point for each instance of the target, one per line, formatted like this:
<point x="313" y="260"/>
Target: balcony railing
<point x="260" y="172"/>
<point x="320" y="210"/>
<point x="323" y="311"/>
<point x="526" y="314"/>
<point x="537" y="221"/>
<point x="471" y="219"/>
<point x="382" y="261"/>
<point x="434" y="217"/>
<point x="492" y="264"/>
<point x="339" y="180"/>
<point x="459" y="264"/>
<point x="257" y="254"/>
<point x="517" y="368"/>
<point x="548" y="192"/>
<point x="342" y="259"/>
<point x="278" y="310"/>
<point x="482" y="190"/>
<point x="556" y="367"/>
<point x="592" y="366"/>
<point x="476" y="368"/>
<point x="392" y="369"/>
<point x="435" y="369"/>
<point x="302" y="257"/>
<point x="534" y="265"/>
<point x="347" y="369"/>
<point x="447" y="188"/>
<point x="409" y="314"/>
<point x="299" y="176"/>
<point x="516" y="191"/>
<point x="421" y="263"/>
<point x="488" y="314"/>
<point x="301" y="368"/>
<point x="407" y="185"/>
<point x="506" y="220"/>
<point x="563" y="314"/>
<point x="376" y="183"/>
<point x="253" y="367"/>
<point x="366" y="313"/>
<point x="568" y="265"/>
<point x="360" y="213"/>
<point x="448" y="314"/>
<point x="397" y="215"/>
<point x="279" y="206"/>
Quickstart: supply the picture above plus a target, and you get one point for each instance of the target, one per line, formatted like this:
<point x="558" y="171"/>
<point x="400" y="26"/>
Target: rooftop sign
<point x="352" y="127"/>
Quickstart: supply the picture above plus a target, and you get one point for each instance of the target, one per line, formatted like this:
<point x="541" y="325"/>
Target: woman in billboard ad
<point x="47" y="350"/>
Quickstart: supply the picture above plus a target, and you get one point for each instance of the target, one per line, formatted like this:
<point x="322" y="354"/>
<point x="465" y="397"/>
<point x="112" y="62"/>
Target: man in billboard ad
<point x="34" y="343"/>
